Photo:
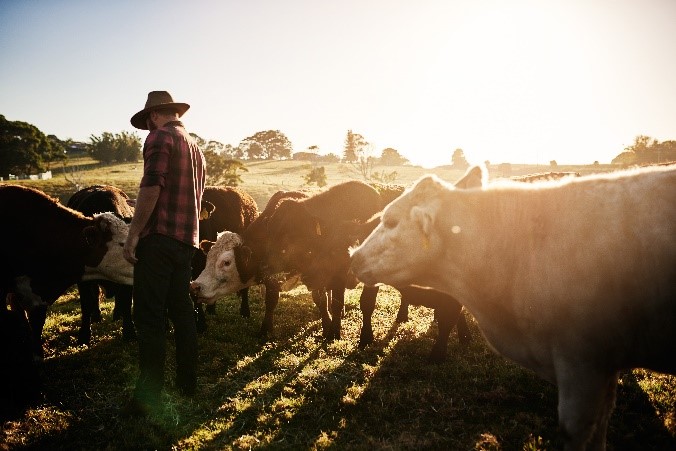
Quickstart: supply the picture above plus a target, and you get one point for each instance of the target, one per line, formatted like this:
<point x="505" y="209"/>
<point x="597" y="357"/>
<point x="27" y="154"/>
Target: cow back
<point x="101" y="198"/>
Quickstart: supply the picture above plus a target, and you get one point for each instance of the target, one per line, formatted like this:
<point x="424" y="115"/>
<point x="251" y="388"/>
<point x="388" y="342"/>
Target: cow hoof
<point x="332" y="335"/>
<point x="201" y="327"/>
<point x="436" y="357"/>
<point x="128" y="335"/>
<point x="84" y="337"/>
<point x="365" y="339"/>
<point x="402" y="318"/>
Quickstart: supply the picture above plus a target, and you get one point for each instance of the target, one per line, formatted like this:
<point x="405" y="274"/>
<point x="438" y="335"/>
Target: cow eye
<point x="225" y="263"/>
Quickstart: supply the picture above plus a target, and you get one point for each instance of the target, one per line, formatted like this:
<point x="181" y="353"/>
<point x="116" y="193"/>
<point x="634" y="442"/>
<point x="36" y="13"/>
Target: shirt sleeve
<point x="156" y="152"/>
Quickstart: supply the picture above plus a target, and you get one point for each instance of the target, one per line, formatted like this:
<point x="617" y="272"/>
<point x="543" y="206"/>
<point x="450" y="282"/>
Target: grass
<point x="297" y="392"/>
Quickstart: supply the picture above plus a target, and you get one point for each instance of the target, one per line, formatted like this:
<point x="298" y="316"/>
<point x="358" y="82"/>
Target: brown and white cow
<point x="235" y="262"/>
<point x="575" y="280"/>
<point x="46" y="248"/>
<point x="231" y="209"/>
<point x="90" y="201"/>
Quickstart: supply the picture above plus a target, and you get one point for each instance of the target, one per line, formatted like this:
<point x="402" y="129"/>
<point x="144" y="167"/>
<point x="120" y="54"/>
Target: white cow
<point x="575" y="280"/>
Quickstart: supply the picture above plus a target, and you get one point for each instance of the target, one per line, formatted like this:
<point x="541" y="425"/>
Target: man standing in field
<point x="163" y="236"/>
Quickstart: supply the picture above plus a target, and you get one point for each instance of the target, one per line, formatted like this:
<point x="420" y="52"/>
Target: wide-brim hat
<point x="157" y="99"/>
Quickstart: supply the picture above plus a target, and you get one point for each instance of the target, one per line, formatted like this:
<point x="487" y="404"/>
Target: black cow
<point x="46" y="248"/>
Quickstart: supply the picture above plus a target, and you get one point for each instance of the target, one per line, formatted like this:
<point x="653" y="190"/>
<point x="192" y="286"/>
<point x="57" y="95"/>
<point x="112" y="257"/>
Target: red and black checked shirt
<point x="172" y="160"/>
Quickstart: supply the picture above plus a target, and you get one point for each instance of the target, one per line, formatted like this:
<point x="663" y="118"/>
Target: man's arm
<point x="145" y="204"/>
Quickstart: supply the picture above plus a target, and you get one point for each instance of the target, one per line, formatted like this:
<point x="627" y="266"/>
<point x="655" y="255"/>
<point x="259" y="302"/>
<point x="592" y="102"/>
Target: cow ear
<point x="205" y="246"/>
<point x="473" y="178"/>
<point x="92" y="236"/>
<point x="206" y="210"/>
<point x="423" y="217"/>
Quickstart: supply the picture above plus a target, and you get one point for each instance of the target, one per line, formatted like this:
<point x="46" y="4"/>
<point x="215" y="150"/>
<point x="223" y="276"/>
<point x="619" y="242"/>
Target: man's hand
<point x="129" y="249"/>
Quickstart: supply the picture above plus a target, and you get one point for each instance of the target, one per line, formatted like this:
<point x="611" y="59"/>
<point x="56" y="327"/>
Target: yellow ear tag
<point x="318" y="229"/>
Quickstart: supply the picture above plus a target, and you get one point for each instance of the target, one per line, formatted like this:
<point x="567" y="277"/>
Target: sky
<point x="520" y="81"/>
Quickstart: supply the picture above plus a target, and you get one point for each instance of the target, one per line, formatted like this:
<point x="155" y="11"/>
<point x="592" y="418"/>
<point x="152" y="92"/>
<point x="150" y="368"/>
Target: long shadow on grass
<point x="634" y="423"/>
<point x="479" y="400"/>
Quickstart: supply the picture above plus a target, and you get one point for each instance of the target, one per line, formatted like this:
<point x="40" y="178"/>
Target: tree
<point x="223" y="171"/>
<point x="316" y="175"/>
<point x="24" y="149"/>
<point x="102" y="148"/>
<point x="201" y="143"/>
<point x="354" y="145"/>
<point x="642" y="149"/>
<point x="268" y="145"/>
<point x="458" y="160"/>
<point x="120" y="148"/>
<point x="391" y="157"/>
<point x="128" y="147"/>
<point x="56" y="152"/>
<point x="646" y="150"/>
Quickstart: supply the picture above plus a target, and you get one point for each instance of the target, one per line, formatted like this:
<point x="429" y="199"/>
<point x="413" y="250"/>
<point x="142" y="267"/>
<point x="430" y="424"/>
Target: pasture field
<point x="297" y="392"/>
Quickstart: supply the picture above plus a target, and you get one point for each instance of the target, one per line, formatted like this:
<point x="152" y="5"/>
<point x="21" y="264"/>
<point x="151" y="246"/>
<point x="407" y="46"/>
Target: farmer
<point x="163" y="236"/>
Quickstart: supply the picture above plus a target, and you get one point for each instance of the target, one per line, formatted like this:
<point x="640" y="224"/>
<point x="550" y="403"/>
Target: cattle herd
<point x="571" y="277"/>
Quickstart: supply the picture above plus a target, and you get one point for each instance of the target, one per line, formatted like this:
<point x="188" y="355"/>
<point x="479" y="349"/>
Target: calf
<point x="573" y="279"/>
<point x="47" y="248"/>
<point x="91" y="200"/>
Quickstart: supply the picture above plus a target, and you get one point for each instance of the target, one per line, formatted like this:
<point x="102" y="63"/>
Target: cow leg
<point x="586" y="400"/>
<point x="271" y="301"/>
<point x="211" y="309"/>
<point x="244" y="304"/>
<point x="36" y="320"/>
<point x="462" y="329"/>
<point x="337" y="306"/>
<point x="89" y="301"/>
<point x="200" y="318"/>
<point x="123" y="302"/>
<point x="447" y="316"/>
<point x="402" y="313"/>
<point x="367" y="305"/>
<point x="321" y="300"/>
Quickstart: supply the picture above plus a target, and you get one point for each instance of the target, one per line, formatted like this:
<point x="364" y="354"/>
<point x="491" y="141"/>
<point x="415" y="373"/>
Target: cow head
<point x="103" y="242"/>
<point x="220" y="276"/>
<point x="402" y="248"/>
<point x="22" y="296"/>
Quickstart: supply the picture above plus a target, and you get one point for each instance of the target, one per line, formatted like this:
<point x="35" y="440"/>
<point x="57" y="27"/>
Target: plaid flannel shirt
<point x="172" y="160"/>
